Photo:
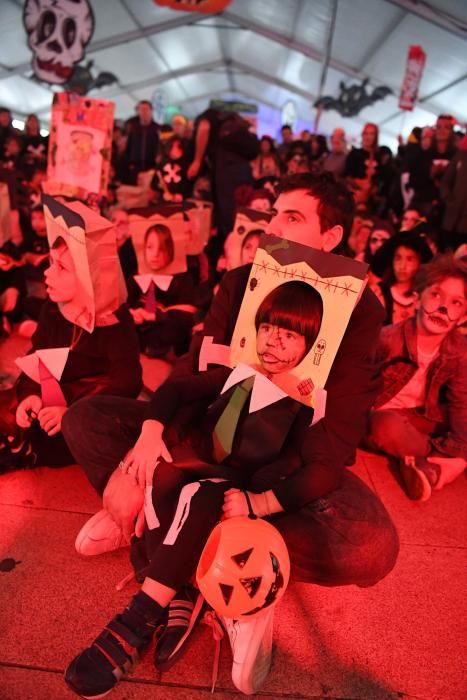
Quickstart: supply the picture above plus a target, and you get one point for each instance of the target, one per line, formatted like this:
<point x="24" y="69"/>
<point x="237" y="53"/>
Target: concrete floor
<point x="403" y="638"/>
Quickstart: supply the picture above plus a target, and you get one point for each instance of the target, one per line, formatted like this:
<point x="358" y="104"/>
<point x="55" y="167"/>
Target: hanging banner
<point x="416" y="58"/>
<point x="58" y="32"/>
<point x="204" y="6"/>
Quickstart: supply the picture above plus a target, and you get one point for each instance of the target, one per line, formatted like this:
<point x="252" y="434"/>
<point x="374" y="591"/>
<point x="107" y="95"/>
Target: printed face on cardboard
<point x="240" y="246"/>
<point x="159" y="239"/>
<point x="294" y="313"/>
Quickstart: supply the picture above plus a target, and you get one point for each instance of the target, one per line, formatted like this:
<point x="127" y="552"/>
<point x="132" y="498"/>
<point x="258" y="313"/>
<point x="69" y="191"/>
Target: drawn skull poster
<point x="58" y="32"/>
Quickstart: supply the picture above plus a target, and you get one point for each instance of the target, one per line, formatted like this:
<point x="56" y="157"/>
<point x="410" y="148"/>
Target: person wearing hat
<point x="396" y="264"/>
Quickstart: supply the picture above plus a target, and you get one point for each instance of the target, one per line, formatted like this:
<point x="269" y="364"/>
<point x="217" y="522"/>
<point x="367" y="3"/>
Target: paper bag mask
<point x="199" y="214"/>
<point x="80" y="145"/>
<point x="92" y="244"/>
<point x="338" y="281"/>
<point x="168" y="225"/>
<point x="246" y="221"/>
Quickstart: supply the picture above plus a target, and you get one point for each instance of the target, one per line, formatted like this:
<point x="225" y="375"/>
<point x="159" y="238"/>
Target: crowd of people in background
<point x="410" y="206"/>
<point x="404" y="214"/>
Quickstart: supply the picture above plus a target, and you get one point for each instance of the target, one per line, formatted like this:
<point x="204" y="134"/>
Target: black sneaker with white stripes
<point x="183" y="613"/>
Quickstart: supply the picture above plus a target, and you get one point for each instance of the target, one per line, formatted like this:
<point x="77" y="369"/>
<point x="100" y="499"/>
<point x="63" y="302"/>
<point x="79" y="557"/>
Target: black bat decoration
<point x="353" y="99"/>
<point x="82" y="80"/>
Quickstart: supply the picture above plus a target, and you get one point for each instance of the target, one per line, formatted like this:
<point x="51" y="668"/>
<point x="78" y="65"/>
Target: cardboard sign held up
<point x="92" y="244"/>
<point x="339" y="282"/>
<point x="247" y="222"/>
<point x="80" y="145"/>
<point x="200" y="217"/>
<point x="168" y="226"/>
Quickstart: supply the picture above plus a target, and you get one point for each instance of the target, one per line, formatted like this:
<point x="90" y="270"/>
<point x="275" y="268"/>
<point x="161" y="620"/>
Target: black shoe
<point x="183" y="613"/>
<point x="97" y="669"/>
<point x="16" y="455"/>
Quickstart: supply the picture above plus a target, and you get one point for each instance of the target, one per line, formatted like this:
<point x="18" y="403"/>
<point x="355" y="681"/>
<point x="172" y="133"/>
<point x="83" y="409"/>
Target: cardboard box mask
<point x="167" y="223"/>
<point x="92" y="244"/>
<point x="332" y="283"/>
<point x="247" y="221"/>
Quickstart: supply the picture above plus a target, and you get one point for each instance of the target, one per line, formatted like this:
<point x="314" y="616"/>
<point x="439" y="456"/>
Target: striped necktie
<point x="224" y="430"/>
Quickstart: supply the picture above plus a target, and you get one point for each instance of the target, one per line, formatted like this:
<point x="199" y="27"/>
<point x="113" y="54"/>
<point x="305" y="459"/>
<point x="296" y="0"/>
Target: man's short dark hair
<point x="335" y="202"/>
<point x="145" y="102"/>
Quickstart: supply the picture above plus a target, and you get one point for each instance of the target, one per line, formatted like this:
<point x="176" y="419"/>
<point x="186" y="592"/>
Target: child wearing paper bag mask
<point x="164" y="326"/>
<point x="67" y="361"/>
<point x="209" y="468"/>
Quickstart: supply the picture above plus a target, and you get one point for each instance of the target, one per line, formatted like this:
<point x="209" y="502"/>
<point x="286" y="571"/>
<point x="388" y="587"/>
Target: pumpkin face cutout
<point x="244" y="567"/>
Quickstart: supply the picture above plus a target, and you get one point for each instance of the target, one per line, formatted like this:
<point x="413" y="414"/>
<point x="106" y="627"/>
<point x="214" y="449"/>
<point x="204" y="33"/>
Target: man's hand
<point x="27" y="410"/>
<point x="9" y="299"/>
<point x="50" y="419"/>
<point x="193" y="169"/>
<point x="124" y="500"/>
<point x="141" y="461"/>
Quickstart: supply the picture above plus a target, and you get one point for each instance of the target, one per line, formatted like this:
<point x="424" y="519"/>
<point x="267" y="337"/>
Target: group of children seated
<point x="90" y="328"/>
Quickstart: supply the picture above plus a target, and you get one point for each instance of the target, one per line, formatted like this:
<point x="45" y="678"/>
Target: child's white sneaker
<point x="100" y="534"/>
<point x="251" y="643"/>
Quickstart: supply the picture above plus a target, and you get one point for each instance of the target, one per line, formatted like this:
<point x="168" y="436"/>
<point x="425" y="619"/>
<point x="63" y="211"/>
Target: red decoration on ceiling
<point x="416" y="59"/>
<point x="204" y="6"/>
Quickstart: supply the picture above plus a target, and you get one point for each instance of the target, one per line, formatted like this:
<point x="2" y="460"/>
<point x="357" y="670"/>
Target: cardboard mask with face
<point x="147" y="228"/>
<point x="57" y="35"/>
<point x="92" y="244"/>
<point x="246" y="221"/>
<point x="339" y="281"/>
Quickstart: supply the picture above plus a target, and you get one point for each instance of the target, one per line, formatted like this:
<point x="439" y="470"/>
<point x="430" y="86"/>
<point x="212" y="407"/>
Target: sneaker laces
<point x="211" y="620"/>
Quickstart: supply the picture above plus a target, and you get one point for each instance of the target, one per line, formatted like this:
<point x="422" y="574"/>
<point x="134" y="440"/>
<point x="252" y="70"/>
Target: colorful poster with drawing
<point x="295" y="310"/>
<point x="80" y="145"/>
<point x="159" y="239"/>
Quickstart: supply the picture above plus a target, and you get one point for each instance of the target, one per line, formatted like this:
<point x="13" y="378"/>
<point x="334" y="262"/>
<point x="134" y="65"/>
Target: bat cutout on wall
<point x="82" y="81"/>
<point x="353" y="99"/>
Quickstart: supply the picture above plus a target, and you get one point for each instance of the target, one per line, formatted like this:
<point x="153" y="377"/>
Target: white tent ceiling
<point x="262" y="51"/>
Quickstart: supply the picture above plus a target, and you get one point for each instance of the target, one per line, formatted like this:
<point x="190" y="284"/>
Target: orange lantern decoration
<point x="244" y="567"/>
<point x="204" y="6"/>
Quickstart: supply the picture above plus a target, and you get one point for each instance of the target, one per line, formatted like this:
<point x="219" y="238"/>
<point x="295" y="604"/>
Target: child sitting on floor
<point x="227" y="449"/>
<point x="80" y="347"/>
<point x="420" y="416"/>
<point x="164" y="317"/>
